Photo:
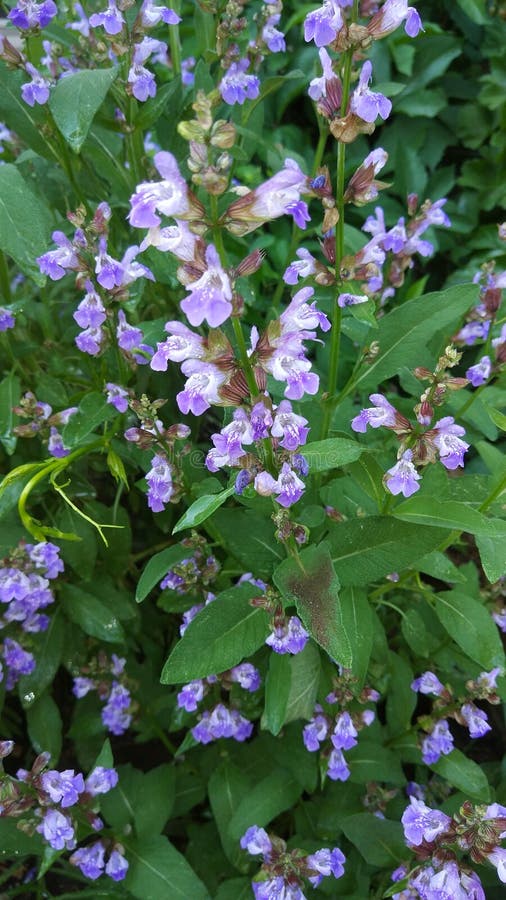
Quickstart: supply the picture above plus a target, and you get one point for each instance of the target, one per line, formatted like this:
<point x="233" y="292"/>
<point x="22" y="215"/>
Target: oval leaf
<point x="157" y="568"/>
<point x="201" y="509"/>
<point x="76" y="99"/>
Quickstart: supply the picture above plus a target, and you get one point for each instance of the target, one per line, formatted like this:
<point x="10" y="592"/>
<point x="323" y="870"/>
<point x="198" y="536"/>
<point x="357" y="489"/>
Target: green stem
<point x="245" y="360"/>
<point x="134" y="143"/>
<point x="175" y="42"/>
<point x="335" y="342"/>
<point x="5" y="284"/>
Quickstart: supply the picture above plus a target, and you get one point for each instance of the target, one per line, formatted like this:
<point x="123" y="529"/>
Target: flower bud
<point x="6" y="748"/>
<point x="223" y="135"/>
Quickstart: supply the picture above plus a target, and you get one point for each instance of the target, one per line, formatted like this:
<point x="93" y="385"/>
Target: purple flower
<point x="221" y="723"/>
<point x="448" y="881"/>
<point x="90" y="860"/>
<point x="111" y="20"/>
<point x="6" y="319"/>
<point x="159" y="480"/>
<point x="278" y="196"/>
<point x="324" y="24"/>
<point x="300" y="269"/>
<point x="56" y="829"/>
<point x="315" y="732"/>
<point x="82" y="686"/>
<point x="274" y="38"/>
<point x="177" y="239"/>
<point x="366" y="104"/>
<point x="141" y="80"/>
<point x="302" y="316"/>
<point x="187" y="76"/>
<point x="117" y="396"/>
<point x="82" y="25"/>
<point x="447" y="440"/>
<point x="54" y="263"/>
<point x="116" y="866"/>
<point x="169" y="197"/>
<point x="190" y="695"/>
<point x="63" y="787"/>
<point x="472" y="332"/>
<point x="256" y="841"/>
<point x="289" y="426"/>
<point x="90" y="341"/>
<point x="438" y="742"/>
<point x="210" y="296"/>
<point x="151" y="15"/>
<point x="289" y="636"/>
<point x="344" y="734"/>
<point x="338" y="769"/>
<point x="391" y="15"/>
<point x="55" y="444"/>
<point x="383" y="413"/>
<point x="288" y="487"/>
<point x="428" y="683"/>
<point x="101" y="780"/>
<point x="488" y="680"/>
<point x="318" y="86"/>
<point x="36" y="90"/>
<point x="18" y="661"/>
<point x="236" y="86"/>
<point x="277" y="889"/>
<point x="480" y="373"/>
<point x="421" y="823"/>
<point x="201" y="388"/>
<point x="29" y="14"/>
<point x="475" y="719"/>
<point x="228" y="442"/>
<point x="325" y="863"/>
<point x="46" y="556"/>
<point x="182" y="344"/>
<point x="115" y="715"/>
<point x="91" y="311"/>
<point x="403" y="477"/>
<point x="129" y="337"/>
<point x="344" y="300"/>
<point x="247" y="676"/>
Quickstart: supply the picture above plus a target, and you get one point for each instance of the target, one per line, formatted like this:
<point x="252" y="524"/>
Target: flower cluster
<point x="283" y="873"/>
<point x="439" y="740"/>
<point x="43" y="423"/>
<point x="220" y="721"/>
<point x="479" y="325"/>
<point x="24" y="591"/>
<point x="58" y="805"/>
<point x="442" y="441"/>
<point x="338" y="731"/>
<point x="438" y="841"/>
<point x="108" y="678"/>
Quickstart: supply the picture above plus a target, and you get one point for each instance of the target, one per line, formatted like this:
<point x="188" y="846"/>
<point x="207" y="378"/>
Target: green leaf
<point x="169" y="94"/>
<point x="305" y="668"/>
<point x="493" y="556"/>
<point x="76" y="99"/>
<point x="331" y="454"/>
<point x="404" y="334"/>
<point x="93" y="411"/>
<point x="25" y="223"/>
<point x="448" y="514"/>
<point x="439" y="566"/>
<point x="365" y="549"/>
<point x="10" y="392"/>
<point x="474" y="10"/>
<point x="359" y="627"/>
<point x="44" y="725"/>
<point x="143" y="800"/>
<point x="225" y="632"/>
<point x="15" y="843"/>
<point x="234" y="889"/>
<point x="157" y="568"/>
<point x="201" y="509"/>
<point x="47" y="648"/>
<point x="464" y="774"/>
<point x="266" y="800"/>
<point x="380" y="841"/>
<point x="311" y="583"/>
<point x="158" y="871"/>
<point x="228" y="786"/>
<point x="470" y="625"/>
<point x="91" y="614"/>
<point x="277" y="691"/>
<point x="369" y="761"/>
<point x="246" y="535"/>
<point x="26" y="121"/>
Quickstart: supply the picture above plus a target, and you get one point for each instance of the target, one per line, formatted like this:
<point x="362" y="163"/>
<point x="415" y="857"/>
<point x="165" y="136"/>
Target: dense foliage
<point x="252" y="415"/>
